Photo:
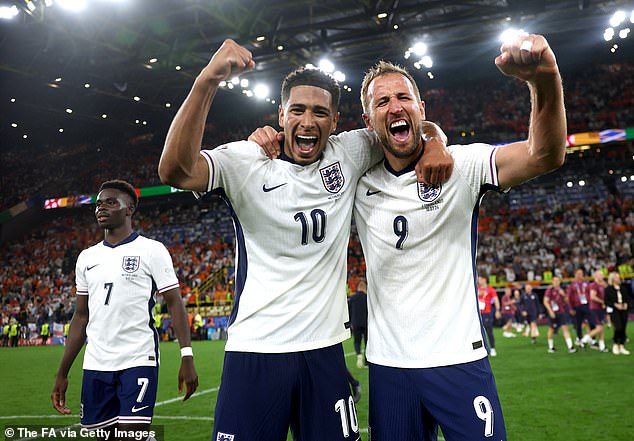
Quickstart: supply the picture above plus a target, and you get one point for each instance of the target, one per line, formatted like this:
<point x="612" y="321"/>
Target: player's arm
<point x="496" y="303"/>
<point x="74" y="342"/>
<point x="187" y="374"/>
<point x="594" y="296"/>
<point x="548" y="307"/>
<point x="530" y="58"/>
<point x="181" y="164"/>
<point x="436" y="164"/>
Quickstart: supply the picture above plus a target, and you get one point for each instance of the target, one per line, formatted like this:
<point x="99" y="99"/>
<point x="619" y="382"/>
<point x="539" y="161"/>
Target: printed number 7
<point x="108" y="286"/>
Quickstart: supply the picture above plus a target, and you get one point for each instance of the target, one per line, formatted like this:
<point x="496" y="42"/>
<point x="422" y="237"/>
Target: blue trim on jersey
<point x="128" y="239"/>
<point x="151" y="304"/>
<point x="409" y="168"/>
<point x="242" y="262"/>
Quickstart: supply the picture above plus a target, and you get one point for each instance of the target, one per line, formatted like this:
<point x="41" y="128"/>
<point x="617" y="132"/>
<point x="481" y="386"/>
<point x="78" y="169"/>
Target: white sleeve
<point x="80" y="276"/>
<point x="230" y="164"/>
<point x="476" y="165"/>
<point x="361" y="146"/>
<point x="162" y="269"/>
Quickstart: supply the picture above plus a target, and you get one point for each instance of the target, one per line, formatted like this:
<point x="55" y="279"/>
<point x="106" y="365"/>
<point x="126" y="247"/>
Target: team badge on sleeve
<point x="224" y="437"/>
<point x="332" y="177"/>
<point x="131" y="263"/>
<point x="429" y="193"/>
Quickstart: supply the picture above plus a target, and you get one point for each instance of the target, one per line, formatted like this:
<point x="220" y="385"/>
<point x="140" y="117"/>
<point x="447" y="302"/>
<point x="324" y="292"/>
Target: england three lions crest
<point x="131" y="263"/>
<point x="429" y="193"/>
<point x="332" y="177"/>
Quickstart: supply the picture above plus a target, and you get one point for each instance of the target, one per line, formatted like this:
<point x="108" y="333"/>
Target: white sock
<point x="551" y="343"/>
<point x="569" y="342"/>
<point x="601" y="344"/>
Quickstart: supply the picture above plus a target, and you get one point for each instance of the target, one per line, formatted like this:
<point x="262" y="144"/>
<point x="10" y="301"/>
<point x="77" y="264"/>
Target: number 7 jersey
<point x="419" y="243"/>
<point x="120" y="282"/>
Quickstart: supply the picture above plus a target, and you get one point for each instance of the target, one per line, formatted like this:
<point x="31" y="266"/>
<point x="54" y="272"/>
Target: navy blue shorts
<point x="557" y="322"/>
<point x="410" y="404"/>
<point x="598" y="316"/>
<point x="261" y="396"/>
<point x="124" y="397"/>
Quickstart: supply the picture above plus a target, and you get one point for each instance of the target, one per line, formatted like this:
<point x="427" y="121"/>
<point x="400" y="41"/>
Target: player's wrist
<point x="186" y="351"/>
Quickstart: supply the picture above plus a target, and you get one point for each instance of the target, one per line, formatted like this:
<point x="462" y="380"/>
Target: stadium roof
<point x="96" y="61"/>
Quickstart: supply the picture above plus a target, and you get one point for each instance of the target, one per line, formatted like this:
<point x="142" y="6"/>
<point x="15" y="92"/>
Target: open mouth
<point x="400" y="130"/>
<point x="306" y="143"/>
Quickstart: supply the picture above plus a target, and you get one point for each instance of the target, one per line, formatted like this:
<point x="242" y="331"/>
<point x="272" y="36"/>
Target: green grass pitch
<point x="587" y="396"/>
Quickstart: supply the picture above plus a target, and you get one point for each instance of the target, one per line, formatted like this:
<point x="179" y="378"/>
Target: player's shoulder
<point x="238" y="149"/>
<point x="357" y="138"/>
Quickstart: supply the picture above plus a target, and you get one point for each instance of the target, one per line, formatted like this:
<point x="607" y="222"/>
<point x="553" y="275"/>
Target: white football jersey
<point x="419" y="244"/>
<point x="120" y="282"/>
<point x="292" y="226"/>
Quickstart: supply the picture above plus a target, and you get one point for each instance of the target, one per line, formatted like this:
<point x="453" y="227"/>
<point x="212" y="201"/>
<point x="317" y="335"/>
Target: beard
<point x="404" y="151"/>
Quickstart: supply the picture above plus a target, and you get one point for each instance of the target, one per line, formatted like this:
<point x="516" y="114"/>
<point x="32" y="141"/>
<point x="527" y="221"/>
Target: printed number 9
<point x="484" y="411"/>
<point x="400" y="229"/>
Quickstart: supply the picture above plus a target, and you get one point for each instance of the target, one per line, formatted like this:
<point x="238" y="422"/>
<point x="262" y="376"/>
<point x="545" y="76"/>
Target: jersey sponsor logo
<point x="224" y="437"/>
<point x="371" y="193"/>
<point x="138" y="409"/>
<point x="332" y="177"/>
<point x="428" y="193"/>
<point x="131" y="263"/>
<point x="266" y="189"/>
<point x="88" y="268"/>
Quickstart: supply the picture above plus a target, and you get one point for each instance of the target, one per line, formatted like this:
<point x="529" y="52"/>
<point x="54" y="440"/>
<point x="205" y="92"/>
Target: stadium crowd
<point x="542" y="228"/>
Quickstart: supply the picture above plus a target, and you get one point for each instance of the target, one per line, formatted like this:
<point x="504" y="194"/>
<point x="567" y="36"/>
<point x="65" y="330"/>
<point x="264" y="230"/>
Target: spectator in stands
<point x="554" y="300"/>
<point x="618" y="298"/>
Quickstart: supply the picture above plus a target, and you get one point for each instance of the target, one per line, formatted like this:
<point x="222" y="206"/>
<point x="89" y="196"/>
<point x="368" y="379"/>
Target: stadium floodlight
<point x="582" y="183"/>
<point x="153" y="60"/>
<point x="244" y="82"/>
<point x="137" y="98"/>
<point x="235" y="81"/>
<point x="25" y="136"/>
<point x="510" y="34"/>
<point x="427" y="61"/>
<point x="419" y="49"/>
<point x="617" y="18"/>
<point x="61" y="130"/>
<point x="382" y="15"/>
<point x="430" y="75"/>
<point x="229" y="85"/>
<point x="223" y="83"/>
<point x="280" y="47"/>
<point x="608" y="34"/>
<point x="339" y="76"/>
<point x="168" y="105"/>
<point x="248" y="93"/>
<point x="104" y="116"/>
<point x="310" y="66"/>
<point x="326" y="65"/>
<point x="72" y="5"/>
<point x="623" y="178"/>
<point x="569" y="184"/>
<point x="87" y="85"/>
<point x="624" y="32"/>
<point x="69" y="111"/>
<point x="261" y="91"/>
<point x="9" y="12"/>
<point x="178" y="68"/>
<point x="632" y="178"/>
<point x="632" y="16"/>
<point x="14" y="125"/>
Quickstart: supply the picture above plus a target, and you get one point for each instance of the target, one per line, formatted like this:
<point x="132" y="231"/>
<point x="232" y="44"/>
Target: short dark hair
<point x="124" y="186"/>
<point x="311" y="77"/>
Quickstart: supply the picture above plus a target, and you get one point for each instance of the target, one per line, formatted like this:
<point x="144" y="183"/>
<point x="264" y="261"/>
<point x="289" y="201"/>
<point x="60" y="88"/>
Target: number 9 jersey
<point x="120" y="282"/>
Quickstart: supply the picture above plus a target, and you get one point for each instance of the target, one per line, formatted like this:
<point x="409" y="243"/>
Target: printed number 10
<point x="347" y="423"/>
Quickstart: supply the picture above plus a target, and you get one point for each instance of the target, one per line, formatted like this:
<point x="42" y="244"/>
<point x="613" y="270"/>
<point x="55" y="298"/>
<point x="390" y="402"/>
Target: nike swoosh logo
<point x="266" y="190"/>
<point x="371" y="193"/>
<point x="135" y="409"/>
<point x="88" y="268"/>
